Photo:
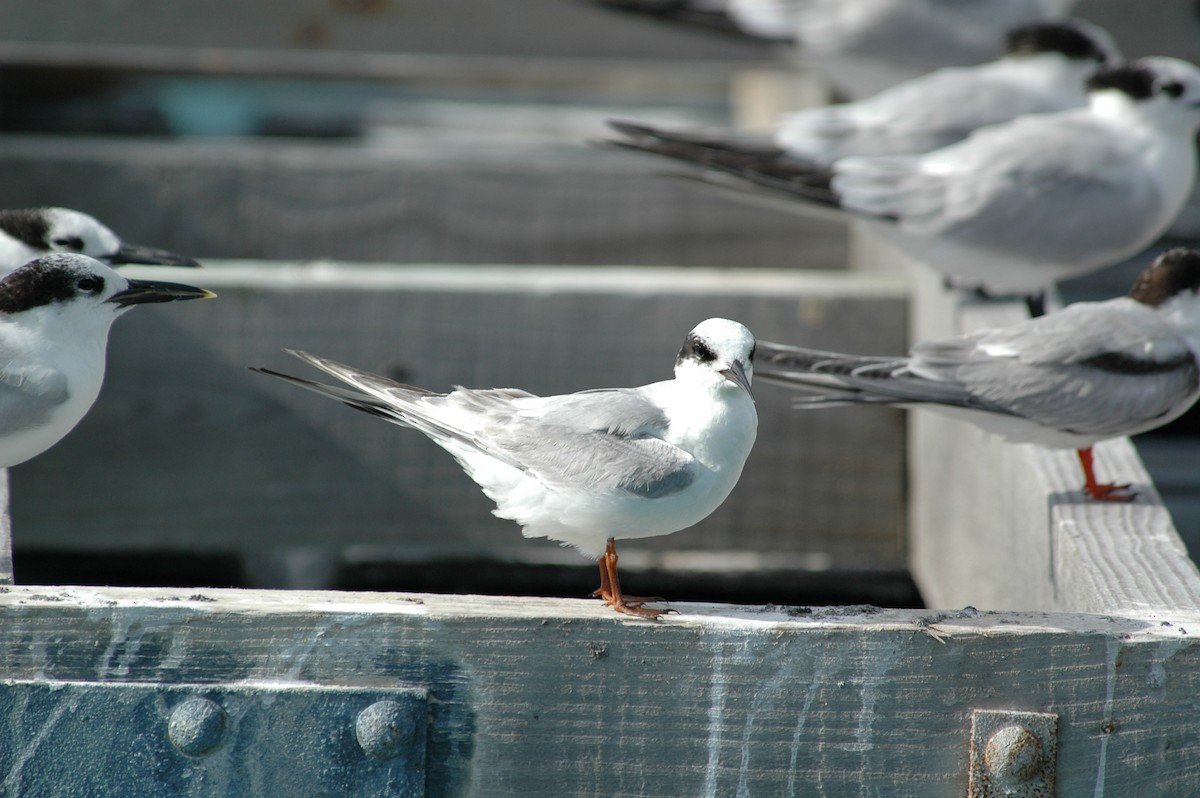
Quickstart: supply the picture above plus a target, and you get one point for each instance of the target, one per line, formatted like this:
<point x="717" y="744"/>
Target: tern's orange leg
<point x="610" y="588"/>
<point x="1104" y="492"/>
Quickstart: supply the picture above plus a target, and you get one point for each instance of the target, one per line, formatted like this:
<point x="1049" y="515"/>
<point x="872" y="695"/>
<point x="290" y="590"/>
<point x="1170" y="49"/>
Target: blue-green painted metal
<point x="125" y="740"/>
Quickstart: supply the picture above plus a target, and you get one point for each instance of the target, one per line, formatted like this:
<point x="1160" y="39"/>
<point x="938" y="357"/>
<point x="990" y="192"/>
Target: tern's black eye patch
<point x="70" y="243"/>
<point x="1172" y="89"/>
<point x="50" y="279"/>
<point x="695" y="348"/>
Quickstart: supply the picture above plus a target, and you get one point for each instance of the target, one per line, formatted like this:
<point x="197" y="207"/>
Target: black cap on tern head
<point x="1172" y="273"/>
<point x="62" y="277"/>
<point x="1070" y="38"/>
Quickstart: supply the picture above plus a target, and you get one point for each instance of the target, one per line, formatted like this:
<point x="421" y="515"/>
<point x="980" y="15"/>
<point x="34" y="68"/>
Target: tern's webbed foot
<point x="1109" y="492"/>
<point x="627" y="605"/>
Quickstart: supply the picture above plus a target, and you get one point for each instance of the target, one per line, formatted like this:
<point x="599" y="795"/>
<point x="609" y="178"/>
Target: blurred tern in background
<point x="1014" y="207"/>
<point x="30" y="233"/>
<point x="1046" y="68"/>
<point x="865" y="45"/>
<point x="55" y="314"/>
<point x="1086" y="373"/>
<point x="592" y="467"/>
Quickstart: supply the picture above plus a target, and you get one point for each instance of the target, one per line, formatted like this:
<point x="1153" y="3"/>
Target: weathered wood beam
<point x="564" y="698"/>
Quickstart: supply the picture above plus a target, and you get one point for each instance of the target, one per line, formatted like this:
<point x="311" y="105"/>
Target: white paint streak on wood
<point x="717" y="693"/>
<point x="6" y="566"/>
<point x="1112" y="648"/>
<point x="810" y="693"/>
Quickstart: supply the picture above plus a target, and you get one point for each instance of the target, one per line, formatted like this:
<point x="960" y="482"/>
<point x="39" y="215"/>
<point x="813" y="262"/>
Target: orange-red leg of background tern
<point x="1107" y="492"/>
<point x="610" y="588"/>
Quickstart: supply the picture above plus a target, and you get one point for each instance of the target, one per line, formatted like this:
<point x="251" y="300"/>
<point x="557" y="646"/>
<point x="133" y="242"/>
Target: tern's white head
<point x="76" y="290"/>
<point x="29" y="233"/>
<point x="718" y="347"/>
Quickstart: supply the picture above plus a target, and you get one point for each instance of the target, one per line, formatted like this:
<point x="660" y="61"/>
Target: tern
<point x="29" y="233"/>
<point x="55" y="315"/>
<point x="589" y="468"/>
<point x="1016" y="207"/>
<point x="1046" y="69"/>
<point x="1067" y="380"/>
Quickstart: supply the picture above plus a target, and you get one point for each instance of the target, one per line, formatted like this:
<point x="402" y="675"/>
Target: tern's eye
<point x="89" y="284"/>
<point x="1172" y="89"/>
<point x="70" y="243"/>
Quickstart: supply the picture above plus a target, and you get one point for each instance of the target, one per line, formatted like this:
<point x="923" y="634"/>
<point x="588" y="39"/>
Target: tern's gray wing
<point x="1032" y="189"/>
<point x="604" y="440"/>
<point x="1100" y="369"/>
<point x="920" y="115"/>
<point x="28" y="395"/>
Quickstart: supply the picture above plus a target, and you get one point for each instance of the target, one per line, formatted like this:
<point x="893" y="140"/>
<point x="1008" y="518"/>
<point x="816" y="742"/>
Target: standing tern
<point x="29" y="233"/>
<point x="55" y="314"/>
<point x="1086" y="373"/>
<point x="1015" y="207"/>
<point x="588" y="468"/>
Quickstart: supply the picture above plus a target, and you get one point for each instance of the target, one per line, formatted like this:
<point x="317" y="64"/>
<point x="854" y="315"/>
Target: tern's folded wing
<point x="28" y="395"/>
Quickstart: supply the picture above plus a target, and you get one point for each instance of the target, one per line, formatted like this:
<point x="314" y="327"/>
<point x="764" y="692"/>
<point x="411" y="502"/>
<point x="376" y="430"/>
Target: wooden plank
<point x="998" y="525"/>
<point x="6" y="566"/>
<point x="517" y="28"/>
<point x="563" y="698"/>
<point x="429" y="199"/>
<point x="229" y="461"/>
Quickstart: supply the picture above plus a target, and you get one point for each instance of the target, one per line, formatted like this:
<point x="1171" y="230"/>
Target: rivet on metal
<point x="1013" y="754"/>
<point x="385" y="729"/>
<point x="196" y="726"/>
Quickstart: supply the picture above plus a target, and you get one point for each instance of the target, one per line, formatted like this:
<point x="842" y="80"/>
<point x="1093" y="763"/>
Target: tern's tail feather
<point x="833" y="378"/>
<point x="756" y="161"/>
<point x="355" y="399"/>
<point x="684" y="13"/>
<point x="853" y="379"/>
<point x="450" y="420"/>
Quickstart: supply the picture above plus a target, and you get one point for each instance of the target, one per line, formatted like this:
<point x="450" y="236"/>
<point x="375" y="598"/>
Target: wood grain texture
<point x="6" y="565"/>
<point x="563" y="698"/>
<point x="231" y="461"/>
<point x="522" y="28"/>
<point x="1000" y="525"/>
<point x="432" y="198"/>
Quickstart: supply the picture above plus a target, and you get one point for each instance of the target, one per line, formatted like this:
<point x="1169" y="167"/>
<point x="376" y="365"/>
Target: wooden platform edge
<point x="563" y="697"/>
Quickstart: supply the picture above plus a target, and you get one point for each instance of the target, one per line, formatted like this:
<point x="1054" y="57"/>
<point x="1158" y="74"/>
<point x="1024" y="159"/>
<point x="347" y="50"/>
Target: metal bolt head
<point x="385" y="729"/>
<point x="196" y="726"/>
<point x="1014" y="755"/>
